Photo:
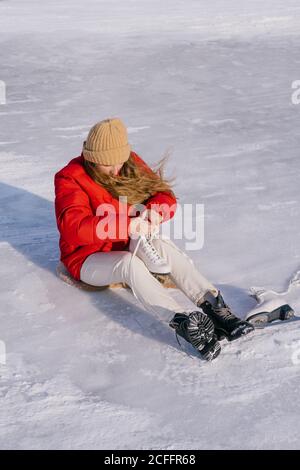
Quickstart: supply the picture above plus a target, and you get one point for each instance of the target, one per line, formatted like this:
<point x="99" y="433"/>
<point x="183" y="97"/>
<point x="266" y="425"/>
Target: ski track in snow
<point x="93" y="369"/>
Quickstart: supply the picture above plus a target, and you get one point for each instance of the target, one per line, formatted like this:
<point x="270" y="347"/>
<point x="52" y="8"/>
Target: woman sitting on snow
<point x="87" y="200"/>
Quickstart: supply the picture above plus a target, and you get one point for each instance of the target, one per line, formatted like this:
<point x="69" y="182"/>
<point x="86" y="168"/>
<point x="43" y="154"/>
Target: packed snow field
<point x="212" y="80"/>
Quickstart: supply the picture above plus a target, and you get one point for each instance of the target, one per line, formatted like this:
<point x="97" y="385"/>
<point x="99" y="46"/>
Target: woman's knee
<point x="170" y="251"/>
<point x="132" y="263"/>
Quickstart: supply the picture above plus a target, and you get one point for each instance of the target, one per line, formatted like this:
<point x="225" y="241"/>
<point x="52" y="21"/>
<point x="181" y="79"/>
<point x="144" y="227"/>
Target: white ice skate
<point x="148" y="253"/>
<point x="269" y="309"/>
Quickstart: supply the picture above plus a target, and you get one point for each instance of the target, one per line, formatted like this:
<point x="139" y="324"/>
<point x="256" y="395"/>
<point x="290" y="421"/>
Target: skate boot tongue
<point x="154" y="261"/>
<point x="151" y="251"/>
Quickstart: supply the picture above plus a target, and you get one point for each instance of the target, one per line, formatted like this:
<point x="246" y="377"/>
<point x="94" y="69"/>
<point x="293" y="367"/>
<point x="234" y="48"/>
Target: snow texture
<point x="213" y="81"/>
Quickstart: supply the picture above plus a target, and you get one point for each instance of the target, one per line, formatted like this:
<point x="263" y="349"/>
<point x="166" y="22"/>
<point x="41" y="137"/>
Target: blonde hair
<point x="134" y="181"/>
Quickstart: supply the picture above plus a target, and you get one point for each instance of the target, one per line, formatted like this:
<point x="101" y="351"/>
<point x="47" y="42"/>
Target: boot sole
<point x="212" y="350"/>
<point x="200" y="330"/>
<point x="200" y="333"/>
<point x="162" y="273"/>
<point x="260" y="320"/>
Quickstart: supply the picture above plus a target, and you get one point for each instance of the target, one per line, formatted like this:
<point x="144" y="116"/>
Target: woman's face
<point x="112" y="170"/>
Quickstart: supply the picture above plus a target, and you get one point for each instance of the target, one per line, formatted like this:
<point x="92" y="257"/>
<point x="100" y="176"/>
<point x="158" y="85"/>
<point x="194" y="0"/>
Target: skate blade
<point x="161" y="273"/>
<point x="261" y="320"/>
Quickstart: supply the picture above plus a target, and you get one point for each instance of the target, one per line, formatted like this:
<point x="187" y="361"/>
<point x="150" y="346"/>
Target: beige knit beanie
<point x="107" y="143"/>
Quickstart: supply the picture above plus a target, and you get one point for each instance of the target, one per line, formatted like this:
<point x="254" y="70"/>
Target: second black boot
<point x="227" y="324"/>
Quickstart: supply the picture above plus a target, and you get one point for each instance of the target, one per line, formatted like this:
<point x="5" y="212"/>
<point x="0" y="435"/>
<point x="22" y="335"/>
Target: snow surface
<point x="212" y="80"/>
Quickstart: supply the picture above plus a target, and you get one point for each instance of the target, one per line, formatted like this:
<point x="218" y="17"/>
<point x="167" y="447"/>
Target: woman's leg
<point x="183" y="271"/>
<point x="101" y="269"/>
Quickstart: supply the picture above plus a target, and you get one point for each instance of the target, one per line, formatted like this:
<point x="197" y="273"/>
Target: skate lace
<point x="223" y="312"/>
<point x="150" y="251"/>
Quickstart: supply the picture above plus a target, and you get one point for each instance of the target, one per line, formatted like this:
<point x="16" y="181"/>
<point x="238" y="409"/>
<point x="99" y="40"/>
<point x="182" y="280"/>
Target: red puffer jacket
<point x="77" y="198"/>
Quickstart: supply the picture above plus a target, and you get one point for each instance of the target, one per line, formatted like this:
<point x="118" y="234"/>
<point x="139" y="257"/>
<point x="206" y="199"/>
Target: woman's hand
<point x="154" y="217"/>
<point x="146" y="224"/>
<point x="139" y="227"/>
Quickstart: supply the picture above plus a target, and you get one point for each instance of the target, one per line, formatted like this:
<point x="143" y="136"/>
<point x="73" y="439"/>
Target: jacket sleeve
<point x="163" y="202"/>
<point x="75" y="219"/>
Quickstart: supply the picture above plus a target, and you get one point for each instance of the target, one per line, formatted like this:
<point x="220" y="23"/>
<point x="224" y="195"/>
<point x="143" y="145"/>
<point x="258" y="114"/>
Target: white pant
<point x="104" y="268"/>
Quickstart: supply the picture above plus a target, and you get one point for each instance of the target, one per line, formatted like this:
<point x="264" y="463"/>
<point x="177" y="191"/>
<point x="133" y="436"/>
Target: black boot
<point x="198" y="330"/>
<point x="227" y="324"/>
